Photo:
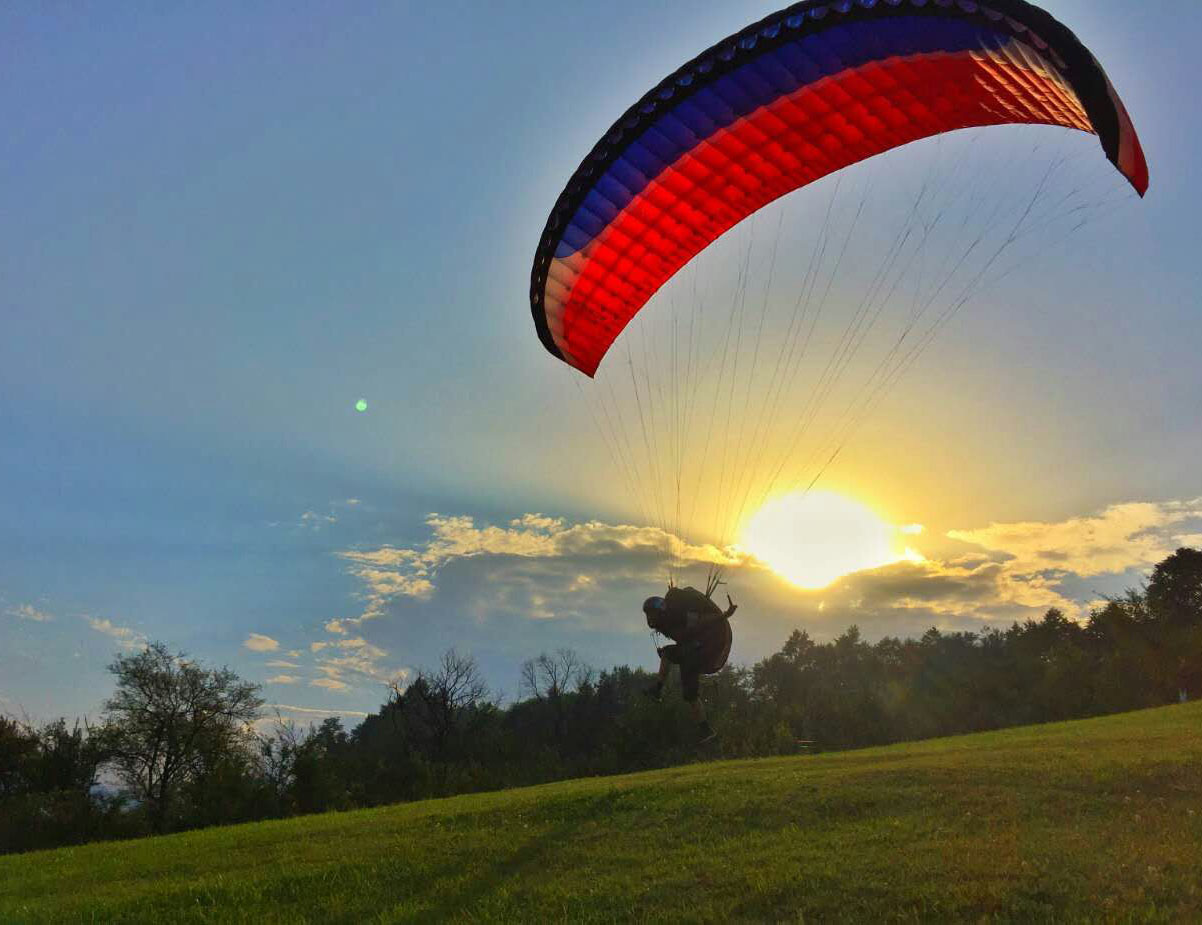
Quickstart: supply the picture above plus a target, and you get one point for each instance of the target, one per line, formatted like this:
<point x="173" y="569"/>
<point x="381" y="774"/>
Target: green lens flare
<point x="361" y="405"/>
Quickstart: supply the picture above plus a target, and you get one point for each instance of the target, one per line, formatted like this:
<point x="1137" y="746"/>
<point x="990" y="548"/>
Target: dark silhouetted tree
<point x="173" y="722"/>
<point x="549" y="677"/>
<point x="1174" y="593"/>
<point x="47" y="777"/>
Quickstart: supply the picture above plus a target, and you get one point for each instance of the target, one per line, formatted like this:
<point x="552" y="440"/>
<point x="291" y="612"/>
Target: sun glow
<point x="812" y="539"/>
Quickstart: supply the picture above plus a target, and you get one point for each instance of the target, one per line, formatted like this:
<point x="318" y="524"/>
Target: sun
<point x="813" y="538"/>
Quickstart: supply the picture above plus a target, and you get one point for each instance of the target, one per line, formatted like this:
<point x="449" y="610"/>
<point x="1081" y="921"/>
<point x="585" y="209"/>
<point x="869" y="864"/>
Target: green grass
<point x="1084" y="821"/>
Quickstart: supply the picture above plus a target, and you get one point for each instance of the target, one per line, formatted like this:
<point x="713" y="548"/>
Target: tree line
<point x="178" y="746"/>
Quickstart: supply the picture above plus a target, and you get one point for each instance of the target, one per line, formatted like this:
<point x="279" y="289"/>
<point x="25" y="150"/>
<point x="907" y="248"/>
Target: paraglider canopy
<point x="786" y="101"/>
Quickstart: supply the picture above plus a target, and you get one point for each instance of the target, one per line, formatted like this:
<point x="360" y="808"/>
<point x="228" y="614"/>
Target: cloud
<point x="315" y="711"/>
<point x="280" y="663"/>
<point x="283" y="679"/>
<point x="257" y="642"/>
<point x="311" y="520"/>
<point x="935" y="590"/>
<point x="355" y="659"/>
<point x="331" y="684"/>
<point x="315" y="521"/>
<point x="125" y="636"/>
<point x="391" y="572"/>
<point x="1119" y="538"/>
<point x="582" y="583"/>
<point x="1024" y="568"/>
<point x="128" y="638"/>
<point x="304" y="715"/>
<point x="538" y="582"/>
<point x="31" y="613"/>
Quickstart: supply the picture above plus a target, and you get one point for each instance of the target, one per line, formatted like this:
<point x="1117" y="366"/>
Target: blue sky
<point x="223" y="226"/>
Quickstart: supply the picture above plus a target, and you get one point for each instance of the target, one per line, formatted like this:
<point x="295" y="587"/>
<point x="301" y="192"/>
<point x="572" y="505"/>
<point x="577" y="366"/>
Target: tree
<point x="435" y="704"/>
<point x="19" y="748"/>
<point x="47" y="776"/>
<point x="71" y="757"/>
<point x="320" y="779"/>
<point x="171" y="720"/>
<point x="549" y="677"/>
<point x="55" y="758"/>
<point x="551" y="680"/>
<point x="301" y="770"/>
<point x="1174" y="592"/>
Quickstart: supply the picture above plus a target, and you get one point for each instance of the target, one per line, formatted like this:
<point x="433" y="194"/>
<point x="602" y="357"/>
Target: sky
<point x="224" y="225"/>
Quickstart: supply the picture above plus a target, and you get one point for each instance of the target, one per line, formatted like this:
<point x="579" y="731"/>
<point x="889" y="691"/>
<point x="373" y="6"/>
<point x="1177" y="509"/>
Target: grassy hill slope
<point x="1092" y="820"/>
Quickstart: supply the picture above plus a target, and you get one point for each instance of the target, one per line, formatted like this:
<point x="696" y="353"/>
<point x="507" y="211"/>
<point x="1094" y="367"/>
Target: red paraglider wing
<point x="787" y="101"/>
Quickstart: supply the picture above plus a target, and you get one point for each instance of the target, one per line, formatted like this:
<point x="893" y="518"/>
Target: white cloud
<point x="391" y="572"/>
<point x="31" y="613"/>
<point x="257" y="642"/>
<point x="311" y="520"/>
<point x="283" y="679"/>
<point x="353" y="654"/>
<point x="314" y="711"/>
<point x="331" y="684"/>
<point x="357" y="642"/>
<point x="280" y="663"/>
<point x="129" y="638"/>
<point x="1120" y="538"/>
<point x="356" y="657"/>
<point x="1033" y="558"/>
<point x="304" y="716"/>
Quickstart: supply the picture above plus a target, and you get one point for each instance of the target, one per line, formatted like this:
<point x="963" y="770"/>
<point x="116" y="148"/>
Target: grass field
<point x="1088" y="821"/>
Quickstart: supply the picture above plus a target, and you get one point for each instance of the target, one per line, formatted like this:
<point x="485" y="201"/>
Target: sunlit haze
<point x="813" y="538"/>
